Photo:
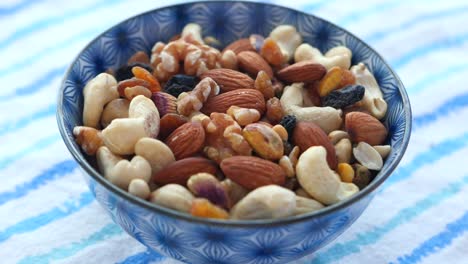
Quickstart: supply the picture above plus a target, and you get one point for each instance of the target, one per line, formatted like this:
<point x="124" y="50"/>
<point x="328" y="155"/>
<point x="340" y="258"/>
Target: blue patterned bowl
<point x="197" y="240"/>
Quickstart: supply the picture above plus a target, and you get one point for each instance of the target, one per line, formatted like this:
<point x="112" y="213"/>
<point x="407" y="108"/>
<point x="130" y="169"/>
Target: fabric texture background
<point x="420" y="216"/>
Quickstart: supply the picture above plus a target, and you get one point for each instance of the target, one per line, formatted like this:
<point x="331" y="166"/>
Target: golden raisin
<point x="330" y="81"/>
<point x="272" y="52"/>
<point x="142" y="73"/>
<point x="346" y="172"/>
<point x="203" y="208"/>
<point x="274" y="111"/>
<point x="347" y="78"/>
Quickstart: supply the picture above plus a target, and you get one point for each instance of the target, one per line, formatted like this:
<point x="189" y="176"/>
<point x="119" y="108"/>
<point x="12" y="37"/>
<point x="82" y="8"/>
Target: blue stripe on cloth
<point x="443" y="75"/>
<point x="48" y="22"/>
<point x="107" y="232"/>
<point x="365" y="12"/>
<point x="11" y="126"/>
<point x="451" y="105"/>
<point x="423" y="50"/>
<point x="379" y="35"/>
<point x="66" y="43"/>
<point x="10" y="10"/>
<point x="144" y="257"/>
<point x="69" y="207"/>
<point x="436" y="152"/>
<point x="39" y="145"/>
<point x="311" y="6"/>
<point x="340" y="250"/>
<point x="36" y="85"/>
<point x="58" y="170"/>
<point x="438" y="242"/>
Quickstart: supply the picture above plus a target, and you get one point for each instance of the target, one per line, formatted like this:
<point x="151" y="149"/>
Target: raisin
<point x="288" y="122"/>
<point x="125" y="71"/>
<point x="180" y="83"/>
<point x="344" y="97"/>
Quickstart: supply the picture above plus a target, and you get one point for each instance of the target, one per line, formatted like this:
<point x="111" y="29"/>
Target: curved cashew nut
<point x="158" y="154"/>
<point x="97" y="93"/>
<point x="123" y="133"/>
<point x="266" y="202"/>
<point x="173" y="196"/>
<point x="328" y="118"/>
<point x="288" y="39"/>
<point x="319" y="180"/>
<point x="337" y="56"/>
<point x="373" y="99"/>
<point x="120" y="171"/>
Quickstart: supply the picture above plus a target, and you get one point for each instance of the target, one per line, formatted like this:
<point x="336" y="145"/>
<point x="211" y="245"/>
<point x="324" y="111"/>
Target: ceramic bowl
<point x="195" y="240"/>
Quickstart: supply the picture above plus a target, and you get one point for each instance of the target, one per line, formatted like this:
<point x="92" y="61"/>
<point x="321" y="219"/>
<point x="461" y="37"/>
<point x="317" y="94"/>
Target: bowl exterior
<point x="193" y="241"/>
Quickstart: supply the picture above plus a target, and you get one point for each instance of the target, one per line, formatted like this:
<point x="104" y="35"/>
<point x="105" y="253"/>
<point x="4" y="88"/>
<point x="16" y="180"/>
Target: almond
<point x="186" y="140"/>
<point x="364" y="127"/>
<point x="252" y="63"/>
<point x="240" y="45"/>
<point x="229" y="80"/>
<point x="245" y="98"/>
<point x="252" y="172"/>
<point x="180" y="171"/>
<point x="169" y="123"/>
<point x="308" y="134"/>
<point x="304" y="71"/>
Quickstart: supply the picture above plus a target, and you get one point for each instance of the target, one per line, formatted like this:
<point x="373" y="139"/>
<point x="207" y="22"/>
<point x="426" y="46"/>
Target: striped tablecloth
<point x="48" y="215"/>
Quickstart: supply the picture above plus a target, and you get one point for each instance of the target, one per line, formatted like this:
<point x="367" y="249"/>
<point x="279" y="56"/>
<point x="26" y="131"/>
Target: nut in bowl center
<point x="213" y="142"/>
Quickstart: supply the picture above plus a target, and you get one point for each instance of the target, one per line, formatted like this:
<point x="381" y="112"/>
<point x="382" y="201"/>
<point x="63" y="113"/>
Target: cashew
<point x="97" y="93"/>
<point x="288" y="39"/>
<point x="139" y="188"/>
<point x="328" y="118"/>
<point x="319" y="180"/>
<point x="343" y="150"/>
<point x="306" y="205"/>
<point x="368" y="156"/>
<point x="266" y="202"/>
<point x="193" y="32"/>
<point x="173" y="196"/>
<point x="120" y="171"/>
<point x="383" y="150"/>
<point x="337" y="135"/>
<point x="117" y="108"/>
<point x="337" y="56"/>
<point x="158" y="154"/>
<point x="373" y="100"/>
<point x="123" y="133"/>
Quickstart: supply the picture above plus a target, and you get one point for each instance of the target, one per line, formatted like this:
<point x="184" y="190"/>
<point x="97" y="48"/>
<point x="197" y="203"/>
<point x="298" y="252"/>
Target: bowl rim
<point x="328" y="210"/>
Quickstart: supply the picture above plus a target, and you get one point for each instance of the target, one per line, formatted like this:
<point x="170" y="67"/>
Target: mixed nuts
<point x="266" y="128"/>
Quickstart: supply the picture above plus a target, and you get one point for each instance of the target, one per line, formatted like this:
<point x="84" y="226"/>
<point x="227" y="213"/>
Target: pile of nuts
<point x="255" y="131"/>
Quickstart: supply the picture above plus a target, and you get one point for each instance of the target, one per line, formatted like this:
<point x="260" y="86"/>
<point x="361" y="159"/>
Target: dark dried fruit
<point x="125" y="71"/>
<point x="344" y="97"/>
<point x="362" y="176"/>
<point x="180" y="83"/>
<point x="288" y="122"/>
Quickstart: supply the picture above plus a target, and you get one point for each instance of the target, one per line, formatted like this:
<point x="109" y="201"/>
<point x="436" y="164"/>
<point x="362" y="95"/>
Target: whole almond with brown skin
<point x="229" y="80"/>
<point x="186" y="140"/>
<point x="252" y="63"/>
<point x="180" y="171"/>
<point x="240" y="45"/>
<point x="364" y="127"/>
<point x="252" y="172"/>
<point x="246" y="98"/>
<point x="308" y="134"/>
<point x="304" y="71"/>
